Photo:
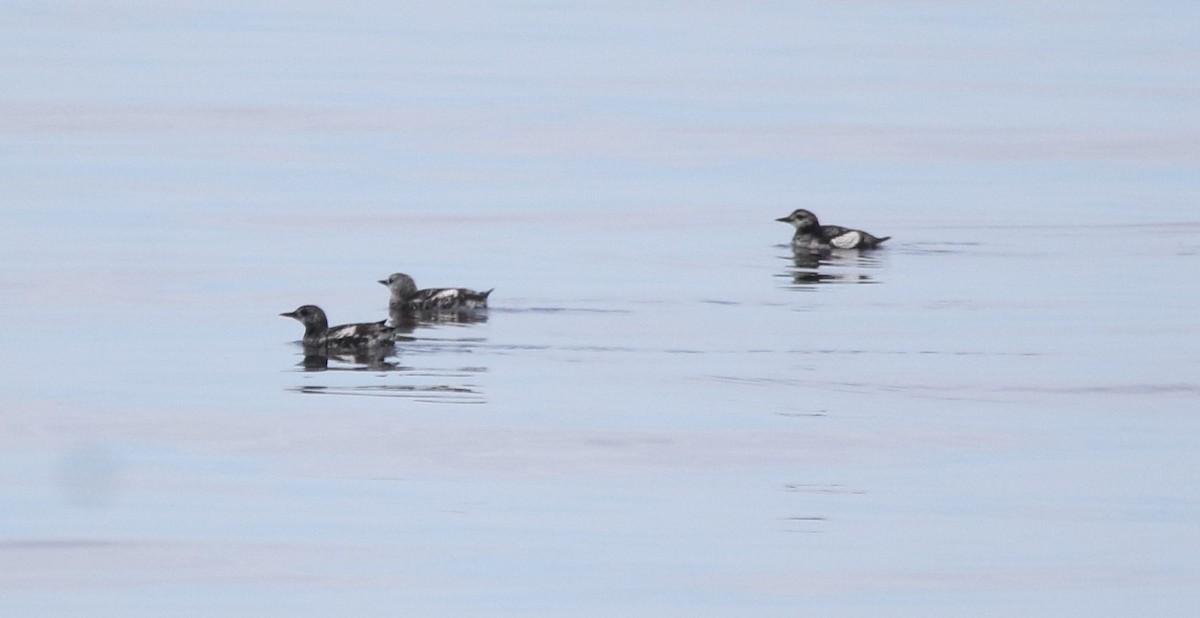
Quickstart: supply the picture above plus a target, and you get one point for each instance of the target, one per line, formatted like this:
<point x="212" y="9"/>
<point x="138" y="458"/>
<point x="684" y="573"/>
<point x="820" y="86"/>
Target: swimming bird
<point x="407" y="298"/>
<point x="317" y="332"/>
<point x="810" y="234"/>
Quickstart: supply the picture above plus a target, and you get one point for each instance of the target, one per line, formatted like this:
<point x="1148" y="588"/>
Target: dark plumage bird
<point x="810" y="234"/>
<point x="317" y="332"/>
<point x="407" y="298"/>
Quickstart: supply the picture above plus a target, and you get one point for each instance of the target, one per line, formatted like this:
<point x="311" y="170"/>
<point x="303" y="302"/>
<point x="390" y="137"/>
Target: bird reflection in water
<point x="316" y="358"/>
<point x="428" y="384"/>
<point x="405" y="320"/>
<point x="811" y="267"/>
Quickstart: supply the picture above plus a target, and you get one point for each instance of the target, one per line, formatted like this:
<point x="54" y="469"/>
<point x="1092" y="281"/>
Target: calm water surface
<point x="665" y="413"/>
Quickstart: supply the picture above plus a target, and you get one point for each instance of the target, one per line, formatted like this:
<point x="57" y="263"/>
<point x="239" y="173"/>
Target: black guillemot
<point x="810" y="234"/>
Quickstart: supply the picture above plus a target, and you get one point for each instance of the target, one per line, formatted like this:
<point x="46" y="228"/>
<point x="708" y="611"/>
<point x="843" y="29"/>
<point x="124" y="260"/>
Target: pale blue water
<point x="663" y="414"/>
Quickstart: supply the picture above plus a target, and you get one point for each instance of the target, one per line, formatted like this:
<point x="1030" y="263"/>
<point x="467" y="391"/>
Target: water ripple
<point x="441" y="393"/>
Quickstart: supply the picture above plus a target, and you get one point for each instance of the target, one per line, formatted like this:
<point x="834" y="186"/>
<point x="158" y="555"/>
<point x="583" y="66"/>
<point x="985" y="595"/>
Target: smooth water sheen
<point x="665" y="412"/>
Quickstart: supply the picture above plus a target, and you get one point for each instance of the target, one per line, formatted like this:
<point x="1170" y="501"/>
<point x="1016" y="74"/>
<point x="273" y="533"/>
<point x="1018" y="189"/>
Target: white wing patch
<point x="341" y="332"/>
<point x="445" y="299"/>
<point x="448" y="299"/>
<point x="849" y="240"/>
<point x="435" y="299"/>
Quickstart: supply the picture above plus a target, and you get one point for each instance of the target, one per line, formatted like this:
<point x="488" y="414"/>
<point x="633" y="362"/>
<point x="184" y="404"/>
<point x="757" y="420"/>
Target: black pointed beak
<point x="784" y="219"/>
<point x="290" y="314"/>
<point x="383" y="282"/>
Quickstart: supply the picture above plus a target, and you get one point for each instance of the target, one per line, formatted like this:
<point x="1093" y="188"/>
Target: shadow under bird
<point x="407" y="298"/>
<point x="318" y="333"/>
<point x="810" y="234"/>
